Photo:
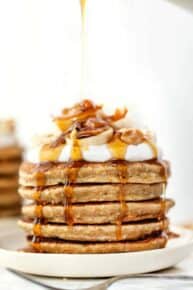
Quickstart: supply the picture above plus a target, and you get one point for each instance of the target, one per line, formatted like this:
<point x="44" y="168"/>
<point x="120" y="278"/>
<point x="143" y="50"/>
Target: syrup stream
<point x="83" y="48"/>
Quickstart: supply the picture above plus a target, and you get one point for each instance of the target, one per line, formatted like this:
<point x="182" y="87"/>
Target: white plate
<point x="89" y="265"/>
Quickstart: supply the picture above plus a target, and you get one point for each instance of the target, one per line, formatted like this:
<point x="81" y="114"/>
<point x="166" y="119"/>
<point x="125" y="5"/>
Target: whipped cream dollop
<point x="99" y="153"/>
<point x="84" y="132"/>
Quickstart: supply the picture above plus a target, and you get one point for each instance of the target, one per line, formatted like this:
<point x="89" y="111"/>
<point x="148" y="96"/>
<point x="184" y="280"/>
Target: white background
<point x="138" y="52"/>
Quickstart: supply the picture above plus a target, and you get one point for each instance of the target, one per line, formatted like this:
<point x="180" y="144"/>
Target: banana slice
<point x="99" y="139"/>
<point x="132" y="136"/>
<point x="40" y="140"/>
<point x="79" y="112"/>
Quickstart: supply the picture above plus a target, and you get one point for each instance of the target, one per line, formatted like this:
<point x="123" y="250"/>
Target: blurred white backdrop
<point x="138" y="52"/>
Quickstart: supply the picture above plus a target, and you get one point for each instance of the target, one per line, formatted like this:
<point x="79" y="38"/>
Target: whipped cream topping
<point x="84" y="132"/>
<point x="99" y="153"/>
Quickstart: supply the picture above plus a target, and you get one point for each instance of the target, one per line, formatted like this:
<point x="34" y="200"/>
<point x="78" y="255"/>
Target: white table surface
<point x="10" y="281"/>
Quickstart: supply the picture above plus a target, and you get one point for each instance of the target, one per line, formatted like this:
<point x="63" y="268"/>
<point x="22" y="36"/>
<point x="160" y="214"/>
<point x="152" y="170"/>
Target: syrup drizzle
<point x="118" y="151"/>
<point x="37" y="231"/>
<point x="72" y="173"/>
<point x="40" y="182"/>
<point x="40" y="178"/>
<point x="76" y="153"/>
<point x="73" y="168"/>
<point x="83" y="46"/>
<point x="165" y="172"/>
<point x="118" y="148"/>
<point x="122" y="173"/>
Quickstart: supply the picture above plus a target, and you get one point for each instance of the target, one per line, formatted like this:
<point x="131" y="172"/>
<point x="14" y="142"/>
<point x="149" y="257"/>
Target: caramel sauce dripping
<point x="37" y="195"/>
<point x="50" y="153"/>
<point x="163" y="208"/>
<point x="76" y="153"/>
<point x="122" y="173"/>
<point x="165" y="169"/>
<point x="165" y="173"/>
<point x="68" y="192"/>
<point x="72" y="174"/>
<point x="40" y="182"/>
<point x="36" y="235"/>
<point x="37" y="231"/>
<point x="117" y="148"/>
<point x="40" y="178"/>
<point x="39" y="211"/>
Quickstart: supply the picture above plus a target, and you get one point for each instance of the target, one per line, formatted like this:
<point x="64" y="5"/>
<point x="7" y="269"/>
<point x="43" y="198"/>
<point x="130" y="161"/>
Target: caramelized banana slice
<point x="78" y="112"/>
<point x="132" y="136"/>
<point x="99" y="139"/>
<point x="118" y="115"/>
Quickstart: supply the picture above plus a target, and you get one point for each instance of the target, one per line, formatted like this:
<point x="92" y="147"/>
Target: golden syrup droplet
<point x="117" y="148"/>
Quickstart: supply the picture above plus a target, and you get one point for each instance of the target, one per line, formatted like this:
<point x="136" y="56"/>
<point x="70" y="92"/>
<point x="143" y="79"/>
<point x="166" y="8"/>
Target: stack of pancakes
<point x="86" y="206"/>
<point x="10" y="160"/>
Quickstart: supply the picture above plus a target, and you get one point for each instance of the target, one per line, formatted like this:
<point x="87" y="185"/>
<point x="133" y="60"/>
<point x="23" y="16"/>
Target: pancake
<point x="9" y="199"/>
<point x="95" y="233"/>
<point x="7" y="182"/>
<point x="11" y="152"/>
<point x="84" y="172"/>
<point x="101" y="213"/>
<point x="9" y="167"/>
<point x="52" y="246"/>
<point x="94" y="193"/>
